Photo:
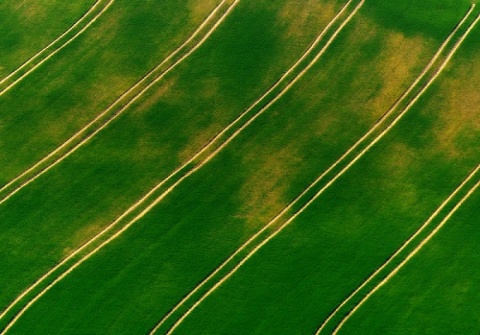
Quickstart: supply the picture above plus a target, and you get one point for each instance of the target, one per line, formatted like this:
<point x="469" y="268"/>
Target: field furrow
<point x="203" y="239"/>
<point x="186" y="174"/>
<point x="265" y="239"/>
<point x="287" y="265"/>
<point x="445" y="303"/>
<point x="59" y="100"/>
<point x="392" y="259"/>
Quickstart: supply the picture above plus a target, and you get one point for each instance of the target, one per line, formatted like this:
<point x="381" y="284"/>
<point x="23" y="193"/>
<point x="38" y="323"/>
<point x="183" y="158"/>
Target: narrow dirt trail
<point x="455" y="48"/>
<point x="334" y="165"/>
<point x="57" y="50"/>
<point x="93" y="252"/>
<point x="138" y="217"/>
<point x="419" y="231"/>
<point x="316" y="42"/>
<point x="406" y="244"/>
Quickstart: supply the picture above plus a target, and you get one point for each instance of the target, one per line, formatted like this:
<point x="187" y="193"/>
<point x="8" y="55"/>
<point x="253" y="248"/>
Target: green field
<point x="239" y="167"/>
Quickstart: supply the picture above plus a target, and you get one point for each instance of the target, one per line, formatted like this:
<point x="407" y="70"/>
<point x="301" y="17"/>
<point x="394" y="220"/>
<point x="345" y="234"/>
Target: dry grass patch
<point x="200" y="9"/>
<point x="307" y="14"/>
<point x="162" y="91"/>
<point x="262" y="195"/>
<point x="399" y="61"/>
<point x="403" y="57"/>
<point x="457" y="126"/>
<point x="32" y="10"/>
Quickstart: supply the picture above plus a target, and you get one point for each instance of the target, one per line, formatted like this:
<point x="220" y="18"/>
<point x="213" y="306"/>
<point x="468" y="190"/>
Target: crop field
<point x="240" y="167"/>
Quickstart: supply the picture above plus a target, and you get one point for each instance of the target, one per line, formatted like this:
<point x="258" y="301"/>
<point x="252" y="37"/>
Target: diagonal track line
<point x="53" y="53"/>
<point x="91" y="124"/>
<point x="308" y="189"/>
<point x="2" y="315"/>
<point x="338" y="175"/>
<point x="78" y="263"/>
<point x="46" y="289"/>
<point x="324" y="324"/>
<point x="316" y="42"/>
<point x="151" y="192"/>
<point x="218" y="284"/>
<point x="455" y="48"/>
<point x="37" y="55"/>
<point x="405" y="245"/>
<point x="408" y="258"/>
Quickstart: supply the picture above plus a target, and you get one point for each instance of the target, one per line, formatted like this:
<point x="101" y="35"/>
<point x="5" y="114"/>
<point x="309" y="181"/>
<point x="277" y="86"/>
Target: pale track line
<point x="404" y="245"/>
<point x="286" y="209"/>
<point x="46" y="289"/>
<point x="101" y="115"/>
<point x="410" y="256"/>
<point x="400" y="250"/>
<point x="145" y="211"/>
<point x="245" y="259"/>
<point x="421" y="228"/>
<point x="142" y="214"/>
<point x="21" y="67"/>
<point x="198" y="302"/>
<point x="6" y="89"/>
<point x="457" y="45"/>
<point x="27" y="291"/>
<point x="316" y="42"/>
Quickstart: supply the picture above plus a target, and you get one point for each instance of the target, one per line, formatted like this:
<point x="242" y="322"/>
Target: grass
<point x="352" y="228"/>
<point x="119" y="178"/>
<point x="58" y="99"/>
<point x="297" y="279"/>
<point x="28" y="26"/>
<point x="425" y="18"/>
<point x="435" y="292"/>
<point x="175" y="236"/>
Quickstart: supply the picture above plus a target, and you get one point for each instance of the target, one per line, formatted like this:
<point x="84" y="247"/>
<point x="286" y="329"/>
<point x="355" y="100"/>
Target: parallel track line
<point x="381" y="135"/>
<point x="316" y="42"/>
<point x="46" y="275"/>
<point x="63" y="275"/>
<point x="400" y="250"/>
<point x="26" y="63"/>
<point x="86" y="128"/>
<point x="219" y="283"/>
<point x="408" y="258"/>
<point x="53" y="53"/>
<point x="138" y="217"/>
